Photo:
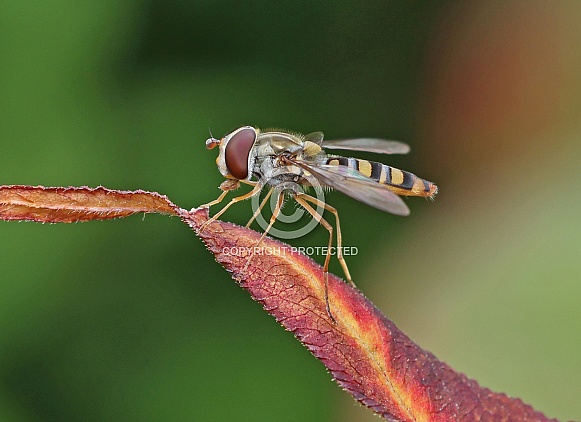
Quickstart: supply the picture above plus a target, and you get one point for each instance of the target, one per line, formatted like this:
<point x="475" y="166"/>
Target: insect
<point x="282" y="160"/>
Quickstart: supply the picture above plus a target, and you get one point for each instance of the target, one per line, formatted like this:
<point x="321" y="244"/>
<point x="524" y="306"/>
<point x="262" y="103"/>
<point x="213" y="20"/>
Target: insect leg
<point x="215" y="201"/>
<point x="254" y="191"/>
<point x="302" y="198"/>
<point x="339" y="237"/>
<point x="226" y="186"/>
<point x="275" y="214"/>
<point x="260" y="207"/>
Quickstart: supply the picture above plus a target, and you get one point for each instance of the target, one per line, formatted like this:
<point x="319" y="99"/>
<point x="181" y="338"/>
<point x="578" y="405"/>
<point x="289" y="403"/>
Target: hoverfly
<point x="280" y="159"/>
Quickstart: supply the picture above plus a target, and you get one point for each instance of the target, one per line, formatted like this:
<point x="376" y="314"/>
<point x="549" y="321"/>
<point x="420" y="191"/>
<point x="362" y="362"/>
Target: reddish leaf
<point x="67" y="205"/>
<point x="366" y="353"/>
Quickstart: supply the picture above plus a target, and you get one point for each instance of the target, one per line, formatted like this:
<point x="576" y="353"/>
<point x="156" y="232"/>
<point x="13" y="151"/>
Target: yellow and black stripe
<point x="399" y="181"/>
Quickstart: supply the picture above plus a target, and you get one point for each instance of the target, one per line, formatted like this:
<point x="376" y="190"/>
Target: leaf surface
<point x="364" y="351"/>
<point x="72" y="204"/>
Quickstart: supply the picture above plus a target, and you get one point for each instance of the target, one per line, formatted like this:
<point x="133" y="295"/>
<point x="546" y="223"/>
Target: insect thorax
<point x="272" y="170"/>
<point x="269" y="170"/>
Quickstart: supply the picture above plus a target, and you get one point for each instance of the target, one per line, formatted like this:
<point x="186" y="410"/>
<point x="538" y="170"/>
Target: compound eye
<point x="237" y="152"/>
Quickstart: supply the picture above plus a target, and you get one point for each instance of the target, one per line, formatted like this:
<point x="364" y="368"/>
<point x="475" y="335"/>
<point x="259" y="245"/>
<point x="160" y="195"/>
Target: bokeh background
<point x="133" y="320"/>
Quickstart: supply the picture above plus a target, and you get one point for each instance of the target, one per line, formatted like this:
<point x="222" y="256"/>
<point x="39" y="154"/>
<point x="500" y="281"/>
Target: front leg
<point x="256" y="190"/>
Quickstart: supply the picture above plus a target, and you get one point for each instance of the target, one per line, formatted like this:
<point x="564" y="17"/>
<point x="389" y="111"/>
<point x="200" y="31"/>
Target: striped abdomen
<point x="398" y="181"/>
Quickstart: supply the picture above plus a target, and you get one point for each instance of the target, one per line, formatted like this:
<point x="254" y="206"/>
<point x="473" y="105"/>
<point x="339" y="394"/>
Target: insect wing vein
<point x="354" y="184"/>
<point x="379" y="146"/>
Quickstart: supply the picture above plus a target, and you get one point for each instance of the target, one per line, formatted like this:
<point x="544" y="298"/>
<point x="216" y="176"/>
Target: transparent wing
<point x="379" y="146"/>
<point x="354" y="184"/>
<point x="316" y="137"/>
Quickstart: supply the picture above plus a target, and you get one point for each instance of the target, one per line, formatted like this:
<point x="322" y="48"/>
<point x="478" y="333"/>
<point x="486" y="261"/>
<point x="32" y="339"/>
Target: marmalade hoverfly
<point x="279" y="159"/>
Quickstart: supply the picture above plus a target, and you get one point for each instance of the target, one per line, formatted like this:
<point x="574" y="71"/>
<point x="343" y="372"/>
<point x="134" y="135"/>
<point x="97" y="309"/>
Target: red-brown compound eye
<point x="237" y="152"/>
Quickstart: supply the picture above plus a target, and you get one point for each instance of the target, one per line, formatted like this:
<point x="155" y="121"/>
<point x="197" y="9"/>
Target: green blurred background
<point x="133" y="320"/>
